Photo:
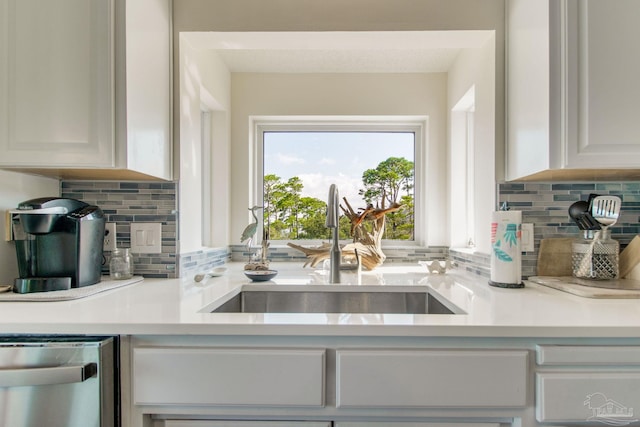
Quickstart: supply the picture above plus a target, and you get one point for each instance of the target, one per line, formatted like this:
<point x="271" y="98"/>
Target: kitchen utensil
<point x="579" y="212"/>
<point x="606" y="210"/>
<point x="596" y="256"/>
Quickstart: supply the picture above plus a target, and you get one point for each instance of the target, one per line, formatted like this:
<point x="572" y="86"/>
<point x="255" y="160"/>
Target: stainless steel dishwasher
<point x="58" y="381"/>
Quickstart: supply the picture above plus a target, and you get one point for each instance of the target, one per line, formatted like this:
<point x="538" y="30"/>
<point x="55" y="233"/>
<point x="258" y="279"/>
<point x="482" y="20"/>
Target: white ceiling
<point x="338" y="51"/>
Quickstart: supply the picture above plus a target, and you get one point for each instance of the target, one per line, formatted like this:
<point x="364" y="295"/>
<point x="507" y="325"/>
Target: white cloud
<point x="327" y="161"/>
<point x="288" y="160"/>
<point x="317" y="185"/>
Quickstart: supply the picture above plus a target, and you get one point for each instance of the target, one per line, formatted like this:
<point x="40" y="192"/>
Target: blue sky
<point x="320" y="159"/>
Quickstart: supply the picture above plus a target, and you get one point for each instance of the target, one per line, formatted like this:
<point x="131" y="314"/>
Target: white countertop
<point x="174" y="307"/>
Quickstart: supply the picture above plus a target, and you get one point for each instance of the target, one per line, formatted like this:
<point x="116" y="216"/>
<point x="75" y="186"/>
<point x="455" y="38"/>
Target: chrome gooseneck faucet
<point x="333" y="217"/>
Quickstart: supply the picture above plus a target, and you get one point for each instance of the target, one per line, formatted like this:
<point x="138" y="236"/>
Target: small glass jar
<point x="596" y="256"/>
<point x="121" y="264"/>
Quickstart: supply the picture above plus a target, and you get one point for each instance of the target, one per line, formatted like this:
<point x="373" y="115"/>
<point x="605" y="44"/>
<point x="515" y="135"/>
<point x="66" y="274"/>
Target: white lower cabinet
<point x="579" y="384"/>
<point x="431" y="378"/>
<point x="205" y="423"/>
<point x="229" y="376"/>
<point x="588" y="396"/>
<point x="217" y="423"/>
<point x="400" y="424"/>
<point x="380" y="382"/>
<point x="192" y="384"/>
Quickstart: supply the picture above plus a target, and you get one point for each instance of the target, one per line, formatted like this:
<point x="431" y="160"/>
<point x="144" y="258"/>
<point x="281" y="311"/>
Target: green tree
<point x="290" y="215"/>
<point x="390" y="183"/>
<point x="384" y="184"/>
<point x="271" y="184"/>
<point x="313" y="216"/>
<point x="288" y="205"/>
<point x="402" y="221"/>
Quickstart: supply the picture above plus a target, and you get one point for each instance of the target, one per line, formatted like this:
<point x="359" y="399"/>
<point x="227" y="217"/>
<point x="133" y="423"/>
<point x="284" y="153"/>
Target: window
<point x="373" y="162"/>
<point x="205" y="136"/>
<point x="463" y="187"/>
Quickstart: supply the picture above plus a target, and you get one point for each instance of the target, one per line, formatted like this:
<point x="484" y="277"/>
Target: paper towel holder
<point x="506" y="255"/>
<point x="506" y="285"/>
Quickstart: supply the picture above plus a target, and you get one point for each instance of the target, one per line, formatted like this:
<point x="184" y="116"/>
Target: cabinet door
<point x="602" y="83"/>
<point x="144" y="104"/>
<point x="204" y="423"/>
<point x="56" y="94"/>
<point x="227" y="376"/>
<point x="588" y="396"/>
<point x="401" y="424"/>
<point x="529" y="122"/>
<point x="431" y="378"/>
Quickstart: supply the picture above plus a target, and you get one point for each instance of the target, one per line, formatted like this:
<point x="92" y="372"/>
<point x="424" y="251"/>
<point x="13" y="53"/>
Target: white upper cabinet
<point x="572" y="89"/>
<point x="85" y="87"/>
<point x="56" y="90"/>
<point x="143" y="97"/>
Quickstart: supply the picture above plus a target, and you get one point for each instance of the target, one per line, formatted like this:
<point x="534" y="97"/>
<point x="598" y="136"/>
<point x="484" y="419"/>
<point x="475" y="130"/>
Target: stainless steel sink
<point x="337" y="301"/>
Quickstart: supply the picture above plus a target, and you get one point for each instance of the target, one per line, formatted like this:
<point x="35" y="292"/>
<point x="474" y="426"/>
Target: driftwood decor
<point x="368" y="243"/>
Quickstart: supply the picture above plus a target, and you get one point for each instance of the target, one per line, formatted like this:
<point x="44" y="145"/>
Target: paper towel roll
<point x="506" y="255"/>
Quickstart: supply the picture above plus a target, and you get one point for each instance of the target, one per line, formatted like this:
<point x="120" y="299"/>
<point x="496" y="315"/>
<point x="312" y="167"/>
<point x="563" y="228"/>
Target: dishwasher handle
<point x="45" y="376"/>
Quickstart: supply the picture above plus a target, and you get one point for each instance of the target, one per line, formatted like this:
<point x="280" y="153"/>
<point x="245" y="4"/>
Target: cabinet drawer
<point x="403" y="424"/>
<point x="431" y="378"/>
<point x="193" y="423"/>
<point x="588" y="355"/>
<point x="206" y="376"/>
<point x="587" y="396"/>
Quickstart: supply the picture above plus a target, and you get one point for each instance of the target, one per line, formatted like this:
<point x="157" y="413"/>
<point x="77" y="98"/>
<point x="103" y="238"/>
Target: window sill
<point x="464" y="250"/>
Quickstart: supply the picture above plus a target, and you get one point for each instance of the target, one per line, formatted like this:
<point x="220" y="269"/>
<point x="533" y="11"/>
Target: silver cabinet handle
<point x="50" y="375"/>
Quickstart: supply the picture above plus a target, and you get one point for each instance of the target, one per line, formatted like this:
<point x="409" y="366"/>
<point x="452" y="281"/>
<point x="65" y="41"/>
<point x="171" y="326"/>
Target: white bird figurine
<point x="250" y="230"/>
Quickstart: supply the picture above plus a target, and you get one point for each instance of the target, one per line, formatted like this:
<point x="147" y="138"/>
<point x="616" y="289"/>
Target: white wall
<point x="204" y="82"/>
<point x="326" y="15"/>
<point x="476" y="67"/>
<point x="334" y="95"/>
<point x="334" y="15"/>
<point x="15" y="188"/>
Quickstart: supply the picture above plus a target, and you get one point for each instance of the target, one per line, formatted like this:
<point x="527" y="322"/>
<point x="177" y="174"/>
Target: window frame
<point x="462" y="185"/>
<point x="415" y="124"/>
<point x="205" y="164"/>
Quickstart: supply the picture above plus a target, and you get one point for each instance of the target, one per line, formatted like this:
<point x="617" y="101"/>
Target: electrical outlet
<point x="109" y="237"/>
<point x="527" y="238"/>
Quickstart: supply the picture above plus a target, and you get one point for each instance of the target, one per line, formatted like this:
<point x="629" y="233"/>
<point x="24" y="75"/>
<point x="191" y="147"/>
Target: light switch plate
<point x="146" y="237"/>
<point x="527" y="238"/>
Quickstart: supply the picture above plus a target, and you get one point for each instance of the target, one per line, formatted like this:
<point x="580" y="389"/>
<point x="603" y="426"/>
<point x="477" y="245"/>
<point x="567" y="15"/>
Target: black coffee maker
<point x="58" y="244"/>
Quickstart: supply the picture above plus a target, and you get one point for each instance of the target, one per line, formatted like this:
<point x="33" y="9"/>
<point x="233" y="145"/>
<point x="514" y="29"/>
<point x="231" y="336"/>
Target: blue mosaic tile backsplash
<point x="546" y="205"/>
<point x="127" y="202"/>
<point x="287" y="254"/>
